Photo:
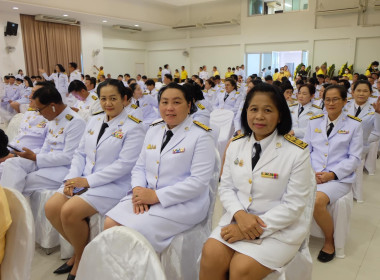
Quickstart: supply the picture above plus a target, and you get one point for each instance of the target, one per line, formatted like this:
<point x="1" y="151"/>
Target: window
<point x="269" y="7"/>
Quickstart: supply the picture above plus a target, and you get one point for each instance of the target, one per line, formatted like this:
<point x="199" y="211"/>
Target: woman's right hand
<point x="250" y="225"/>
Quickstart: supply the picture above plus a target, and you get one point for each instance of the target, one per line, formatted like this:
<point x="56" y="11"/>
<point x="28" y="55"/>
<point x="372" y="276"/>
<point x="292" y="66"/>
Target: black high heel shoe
<point x="325" y="257"/>
<point x="71" y="277"/>
<point x="65" y="268"/>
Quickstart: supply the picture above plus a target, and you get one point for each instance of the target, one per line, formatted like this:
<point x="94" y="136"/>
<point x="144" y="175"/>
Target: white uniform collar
<point x="117" y="119"/>
<point x="334" y="121"/>
<point x="266" y="141"/>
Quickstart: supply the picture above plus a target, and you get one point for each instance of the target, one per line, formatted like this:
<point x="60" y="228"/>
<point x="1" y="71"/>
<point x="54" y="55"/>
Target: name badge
<point x="343" y="131"/>
<point x="317" y="130"/>
<point x="269" y="175"/>
<point x="151" y="147"/>
<point x="178" y="151"/>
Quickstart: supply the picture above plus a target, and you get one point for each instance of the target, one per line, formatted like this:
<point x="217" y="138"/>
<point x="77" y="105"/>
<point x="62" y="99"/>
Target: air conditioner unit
<point x="377" y="5"/>
<point x="132" y="29"/>
<point x="273" y="4"/>
<point x="221" y="23"/>
<point x="190" y="26"/>
<point x="339" y="11"/>
<point x="56" y="19"/>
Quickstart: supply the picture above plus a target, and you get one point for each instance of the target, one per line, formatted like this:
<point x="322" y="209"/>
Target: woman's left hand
<point x="78" y="182"/>
<point x="144" y="196"/>
<point x="231" y="233"/>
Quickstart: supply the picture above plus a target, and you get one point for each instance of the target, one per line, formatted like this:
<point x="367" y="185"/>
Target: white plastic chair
<point x="13" y="126"/>
<point x="96" y="227"/>
<point x="215" y="134"/>
<point x="46" y="235"/>
<point x="357" y="186"/>
<point x="370" y="162"/>
<point x="120" y="253"/>
<point x="19" y="248"/>
<point x="223" y="119"/>
<point x="180" y="259"/>
<point x="341" y="213"/>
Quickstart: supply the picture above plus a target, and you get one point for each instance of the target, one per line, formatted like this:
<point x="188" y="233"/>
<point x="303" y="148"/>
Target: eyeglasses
<point x="40" y="110"/>
<point x="333" y="100"/>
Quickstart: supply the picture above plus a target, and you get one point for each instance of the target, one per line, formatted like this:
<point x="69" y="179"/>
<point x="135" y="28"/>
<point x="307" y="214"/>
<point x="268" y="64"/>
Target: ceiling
<point x="181" y="3"/>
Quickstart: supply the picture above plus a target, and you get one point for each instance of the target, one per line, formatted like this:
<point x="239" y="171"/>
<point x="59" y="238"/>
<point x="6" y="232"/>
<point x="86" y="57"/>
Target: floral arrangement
<point x="298" y="68"/>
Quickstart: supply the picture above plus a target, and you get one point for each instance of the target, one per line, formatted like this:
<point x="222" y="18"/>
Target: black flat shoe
<point x="65" y="268"/>
<point x="71" y="277"/>
<point x="325" y="257"/>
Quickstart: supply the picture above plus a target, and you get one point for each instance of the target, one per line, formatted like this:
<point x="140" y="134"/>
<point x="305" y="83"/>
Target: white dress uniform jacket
<point x="107" y="165"/>
<point x="341" y="151"/>
<point x="203" y="112"/>
<point x="210" y="95"/>
<point x="370" y="122"/>
<point x="61" y="83"/>
<point x="276" y="190"/>
<point x="180" y="174"/>
<point x="147" y="103"/>
<point x="299" y="123"/>
<point x="203" y="75"/>
<point x="88" y="107"/>
<point x="134" y="110"/>
<point x="32" y="131"/>
<point x="53" y="162"/>
<point x="75" y="75"/>
<point x="24" y="95"/>
<point x="232" y="102"/>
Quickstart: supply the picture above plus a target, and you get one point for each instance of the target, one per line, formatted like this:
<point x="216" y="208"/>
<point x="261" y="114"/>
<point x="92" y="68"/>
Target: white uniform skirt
<point x="159" y="231"/>
<point x="334" y="189"/>
<point x="271" y="253"/>
<point x="100" y="203"/>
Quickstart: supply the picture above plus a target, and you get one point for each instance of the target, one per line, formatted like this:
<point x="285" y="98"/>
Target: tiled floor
<point x="362" y="260"/>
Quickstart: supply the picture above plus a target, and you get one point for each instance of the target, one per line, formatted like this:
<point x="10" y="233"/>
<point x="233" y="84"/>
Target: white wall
<point x="121" y="61"/>
<point x="91" y="39"/>
<point x="11" y="62"/>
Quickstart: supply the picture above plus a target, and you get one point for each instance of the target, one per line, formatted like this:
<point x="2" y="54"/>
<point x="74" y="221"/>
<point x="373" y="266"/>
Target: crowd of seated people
<point x="142" y="156"/>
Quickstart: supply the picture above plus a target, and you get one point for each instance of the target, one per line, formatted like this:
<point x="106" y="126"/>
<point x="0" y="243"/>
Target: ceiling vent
<point x="190" y="26"/>
<point x="57" y="19"/>
<point x="221" y="23"/>
<point x="132" y="29"/>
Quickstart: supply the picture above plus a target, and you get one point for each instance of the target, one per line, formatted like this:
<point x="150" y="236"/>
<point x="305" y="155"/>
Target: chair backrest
<point x="223" y="118"/>
<point x="13" y="126"/>
<point x="19" y="248"/>
<point x="120" y="253"/>
<point x="215" y="133"/>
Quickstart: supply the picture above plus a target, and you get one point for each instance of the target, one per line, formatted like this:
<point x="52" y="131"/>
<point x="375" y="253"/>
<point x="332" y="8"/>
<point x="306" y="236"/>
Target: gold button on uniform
<point x="325" y="155"/>
<point x="250" y="181"/>
<point x="155" y="177"/>
<point x="327" y="143"/>
<point x="250" y="199"/>
<point x="157" y="162"/>
<point x="93" y="163"/>
<point x="324" y="166"/>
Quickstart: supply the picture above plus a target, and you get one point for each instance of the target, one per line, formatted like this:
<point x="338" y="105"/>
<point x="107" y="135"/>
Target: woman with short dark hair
<point x="265" y="186"/>
<point x="170" y="182"/>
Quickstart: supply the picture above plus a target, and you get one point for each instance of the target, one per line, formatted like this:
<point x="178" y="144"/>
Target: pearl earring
<point x="53" y="108"/>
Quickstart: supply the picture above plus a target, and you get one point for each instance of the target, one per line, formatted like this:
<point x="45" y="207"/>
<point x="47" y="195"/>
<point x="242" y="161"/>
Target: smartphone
<point x="14" y="148"/>
<point x="78" y="191"/>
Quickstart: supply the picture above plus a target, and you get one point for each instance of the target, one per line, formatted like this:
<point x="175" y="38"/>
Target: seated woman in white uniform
<point x="25" y="91"/>
<point x="336" y="143"/>
<point x="204" y="109"/>
<point x="229" y="98"/>
<point x="146" y="102"/>
<point x="170" y="182"/>
<point x="101" y="167"/>
<point x="303" y="110"/>
<point x="265" y="186"/>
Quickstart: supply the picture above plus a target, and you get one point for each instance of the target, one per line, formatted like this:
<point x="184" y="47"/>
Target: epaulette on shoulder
<point x="200" y="106"/>
<point x="372" y="113"/>
<point x="294" y="140"/>
<point x="97" y="113"/>
<point x="69" y="117"/>
<point x="157" y="122"/>
<point x="294" y="104"/>
<point x="240" y="136"/>
<point x="201" y="125"/>
<point x="316" y="106"/>
<point x="317" y="117"/>
<point x="134" y="119"/>
<point x="354" y="118"/>
<point x="31" y="109"/>
<point x="94" y="97"/>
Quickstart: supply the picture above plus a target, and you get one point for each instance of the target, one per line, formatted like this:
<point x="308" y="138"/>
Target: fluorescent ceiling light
<point x="105" y="21"/>
<point x="15" y="8"/>
<point x="288" y="5"/>
<point x="65" y="15"/>
<point x="136" y="25"/>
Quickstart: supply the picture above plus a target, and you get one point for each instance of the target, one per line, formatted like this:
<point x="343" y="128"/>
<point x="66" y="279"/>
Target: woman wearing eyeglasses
<point x="170" y="182"/>
<point x="336" y="143"/>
